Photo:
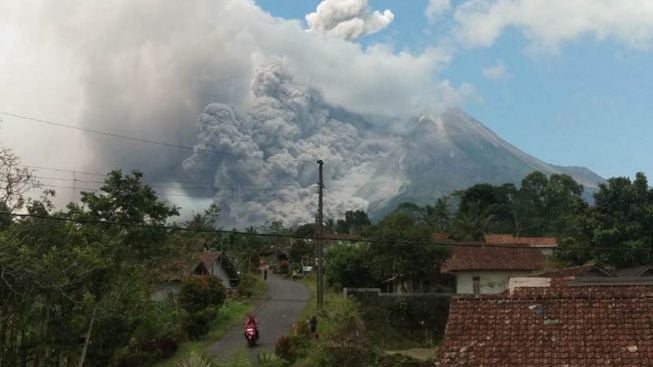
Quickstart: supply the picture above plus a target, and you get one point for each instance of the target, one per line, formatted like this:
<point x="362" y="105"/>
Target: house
<point x="551" y="326"/>
<point x="480" y="269"/>
<point x="172" y="271"/>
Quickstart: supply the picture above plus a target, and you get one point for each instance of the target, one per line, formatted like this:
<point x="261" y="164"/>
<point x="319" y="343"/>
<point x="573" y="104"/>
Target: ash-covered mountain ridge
<point x="454" y="151"/>
<point x="371" y="162"/>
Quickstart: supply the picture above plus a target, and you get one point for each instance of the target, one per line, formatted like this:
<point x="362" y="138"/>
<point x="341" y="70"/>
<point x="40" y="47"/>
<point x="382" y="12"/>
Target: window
<point x="477" y="285"/>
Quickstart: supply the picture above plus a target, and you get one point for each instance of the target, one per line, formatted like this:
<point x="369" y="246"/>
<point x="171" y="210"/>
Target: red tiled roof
<point x="177" y="268"/>
<point x="494" y="258"/>
<point x="575" y="326"/>
<point x="208" y="258"/>
<point x="508" y="239"/>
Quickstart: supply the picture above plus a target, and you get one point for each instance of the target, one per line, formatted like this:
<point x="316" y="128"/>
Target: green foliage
<point x="406" y="251"/>
<point x="285" y="349"/>
<point x="299" y="251"/>
<point x="622" y="218"/>
<point x="201" y="292"/>
<point x="404" y="319"/>
<point x="355" y="222"/>
<point x="396" y="360"/>
<point x="126" y="199"/>
<point x="350" y="266"/>
<point x="283" y="267"/>
<point x="197" y="360"/>
<point x="348" y="346"/>
<point x="472" y="224"/>
<point x="249" y="286"/>
<point x="439" y="215"/>
<point x="270" y="360"/>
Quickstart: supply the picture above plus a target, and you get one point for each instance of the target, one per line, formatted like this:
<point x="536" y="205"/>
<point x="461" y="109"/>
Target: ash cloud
<point x="148" y="68"/>
<point x="275" y="143"/>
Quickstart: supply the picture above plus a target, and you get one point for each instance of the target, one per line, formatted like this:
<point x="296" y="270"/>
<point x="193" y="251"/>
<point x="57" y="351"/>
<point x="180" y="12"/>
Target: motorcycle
<point x="251" y="336"/>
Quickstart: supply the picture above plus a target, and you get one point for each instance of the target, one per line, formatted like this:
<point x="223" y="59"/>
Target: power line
<point x="182" y="187"/>
<point x="290" y="236"/>
<point x="149" y="179"/>
<point x="126" y="137"/>
<point x="147" y="141"/>
<point x="95" y="189"/>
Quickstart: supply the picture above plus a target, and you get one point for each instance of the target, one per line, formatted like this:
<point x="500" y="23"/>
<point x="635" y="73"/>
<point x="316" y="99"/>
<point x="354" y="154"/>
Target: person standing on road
<point x="265" y="274"/>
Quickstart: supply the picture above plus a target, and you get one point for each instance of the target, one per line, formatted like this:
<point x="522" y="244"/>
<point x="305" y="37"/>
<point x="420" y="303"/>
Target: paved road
<point x="286" y="301"/>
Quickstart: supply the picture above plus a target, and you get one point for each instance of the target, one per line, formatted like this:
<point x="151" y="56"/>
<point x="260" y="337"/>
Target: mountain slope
<point x="444" y="154"/>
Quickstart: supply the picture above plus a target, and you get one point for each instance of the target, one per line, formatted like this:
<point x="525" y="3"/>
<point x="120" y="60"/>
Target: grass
<point x="422" y="354"/>
<point x="230" y="315"/>
<point x="334" y="303"/>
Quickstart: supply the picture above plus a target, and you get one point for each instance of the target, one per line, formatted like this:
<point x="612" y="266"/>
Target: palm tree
<point x="473" y="224"/>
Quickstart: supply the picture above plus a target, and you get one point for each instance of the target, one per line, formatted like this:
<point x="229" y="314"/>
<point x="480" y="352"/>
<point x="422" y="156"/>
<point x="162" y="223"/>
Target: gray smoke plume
<point x="147" y="69"/>
<point x="275" y="144"/>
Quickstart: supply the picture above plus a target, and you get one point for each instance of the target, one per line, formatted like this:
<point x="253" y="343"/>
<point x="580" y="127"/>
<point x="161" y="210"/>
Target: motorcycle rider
<point x="251" y="322"/>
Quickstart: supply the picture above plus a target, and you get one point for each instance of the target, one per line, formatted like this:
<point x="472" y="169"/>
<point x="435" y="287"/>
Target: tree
<point x="472" y="224"/>
<point x="439" y="215"/>
<point x="405" y="251"/>
<point x="299" y="250"/>
<point x="490" y="201"/>
<point x="126" y="199"/>
<point x="205" y="224"/>
<point x="199" y="293"/>
<point x="204" y="221"/>
<point x="623" y="219"/>
<point x="353" y="223"/>
<point x="350" y="266"/>
<point x="15" y="181"/>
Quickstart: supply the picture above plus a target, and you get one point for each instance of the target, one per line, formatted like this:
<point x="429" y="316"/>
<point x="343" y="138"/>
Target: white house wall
<point x="491" y="282"/>
<point x="218" y="271"/>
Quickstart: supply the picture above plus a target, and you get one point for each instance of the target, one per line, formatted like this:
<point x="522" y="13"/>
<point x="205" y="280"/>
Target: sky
<point x="584" y="101"/>
<point x="567" y="81"/>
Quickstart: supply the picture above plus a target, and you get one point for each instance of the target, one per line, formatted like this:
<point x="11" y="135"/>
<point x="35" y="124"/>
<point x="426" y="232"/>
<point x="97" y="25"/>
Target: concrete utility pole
<point x="319" y="235"/>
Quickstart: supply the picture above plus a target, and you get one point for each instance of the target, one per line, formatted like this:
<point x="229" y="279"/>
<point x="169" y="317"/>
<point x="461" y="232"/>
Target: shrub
<point x="284" y="348"/>
<point x="199" y="293"/>
<point x="247" y="286"/>
<point x="197" y="324"/>
<point x="160" y="329"/>
<point x="270" y="360"/>
<point x="140" y="358"/>
<point x="397" y="360"/>
<point x="166" y="345"/>
<point x="348" y="346"/>
<point x="283" y="267"/>
<point x="197" y="360"/>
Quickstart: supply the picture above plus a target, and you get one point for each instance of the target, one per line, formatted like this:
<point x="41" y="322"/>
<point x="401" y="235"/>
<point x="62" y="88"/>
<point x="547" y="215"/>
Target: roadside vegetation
<point x="76" y="284"/>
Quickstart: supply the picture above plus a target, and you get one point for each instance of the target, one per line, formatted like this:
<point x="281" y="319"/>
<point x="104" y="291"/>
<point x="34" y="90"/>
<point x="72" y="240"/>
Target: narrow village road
<point x="285" y="301"/>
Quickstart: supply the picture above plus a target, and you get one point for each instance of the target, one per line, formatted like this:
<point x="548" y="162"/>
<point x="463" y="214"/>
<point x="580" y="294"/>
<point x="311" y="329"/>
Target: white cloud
<point x="548" y="23"/>
<point x="496" y="72"/>
<point x="436" y="8"/>
<point x="347" y="19"/>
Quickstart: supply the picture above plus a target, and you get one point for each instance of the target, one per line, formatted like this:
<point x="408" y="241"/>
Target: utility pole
<point x="319" y="235"/>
